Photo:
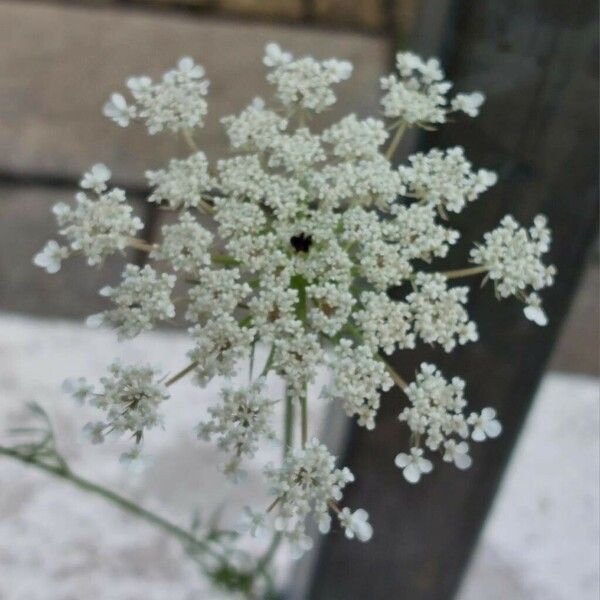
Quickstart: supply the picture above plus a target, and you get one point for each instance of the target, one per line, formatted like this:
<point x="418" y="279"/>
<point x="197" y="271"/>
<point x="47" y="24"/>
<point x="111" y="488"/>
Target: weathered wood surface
<point x="369" y="16"/>
<point x="537" y="62"/>
<point x="51" y="124"/>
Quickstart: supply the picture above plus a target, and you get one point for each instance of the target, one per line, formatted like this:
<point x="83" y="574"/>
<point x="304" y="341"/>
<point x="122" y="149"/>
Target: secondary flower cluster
<point x="129" y="397"/>
<point x="435" y="418"/>
<point x="309" y="231"/>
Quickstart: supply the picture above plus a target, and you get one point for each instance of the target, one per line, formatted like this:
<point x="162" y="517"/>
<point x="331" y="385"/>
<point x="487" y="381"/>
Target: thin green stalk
<point x="268" y="362"/>
<point x="288" y="424"/>
<point x="288" y="429"/>
<point x="395" y="140"/>
<point x="267" y="557"/>
<point x="304" y="418"/>
<point x="181" y="373"/>
<point x="185" y="537"/>
<point x="465" y="272"/>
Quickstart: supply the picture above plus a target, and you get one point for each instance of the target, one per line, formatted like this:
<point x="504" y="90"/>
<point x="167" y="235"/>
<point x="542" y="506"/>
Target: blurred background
<point x="524" y="523"/>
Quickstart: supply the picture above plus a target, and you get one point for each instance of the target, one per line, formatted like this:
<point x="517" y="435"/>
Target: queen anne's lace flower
<point x="304" y="82"/>
<point x="218" y="291"/>
<point x="356" y="524"/>
<point x="51" y="256"/>
<point x="436" y="419"/>
<point x="413" y="465"/>
<point x="358" y="380"/>
<point x="533" y="310"/>
<point x="419" y="94"/>
<point x="95" y="227"/>
<point x="129" y="397"/>
<point x="313" y="244"/>
<point x="119" y="111"/>
<point x="220" y="344"/>
<point x="415" y="231"/>
<point x="96" y="178"/>
<point x="296" y="153"/>
<point x="331" y="307"/>
<point x="444" y="179"/>
<point x="485" y="425"/>
<point x="384" y="323"/>
<point x="439" y="315"/>
<point x="352" y="138"/>
<point x="513" y="257"/>
<point x="468" y="103"/>
<point x="183" y="184"/>
<point x="254" y="128"/>
<point x="239" y="422"/>
<point x="141" y="299"/>
<point x="296" y="357"/>
<point x="186" y="245"/>
<point x="175" y="103"/>
<point x="309" y="484"/>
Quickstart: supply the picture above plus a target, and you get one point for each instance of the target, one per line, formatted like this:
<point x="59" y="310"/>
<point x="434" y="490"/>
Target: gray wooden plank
<point x="53" y="89"/>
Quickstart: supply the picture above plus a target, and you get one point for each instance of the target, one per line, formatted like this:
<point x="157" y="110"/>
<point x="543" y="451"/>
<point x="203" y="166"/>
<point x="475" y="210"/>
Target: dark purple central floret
<point x="301" y="242"/>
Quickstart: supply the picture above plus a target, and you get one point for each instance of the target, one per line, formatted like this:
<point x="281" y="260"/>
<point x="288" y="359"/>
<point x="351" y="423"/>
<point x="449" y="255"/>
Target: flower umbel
<point x="315" y="245"/>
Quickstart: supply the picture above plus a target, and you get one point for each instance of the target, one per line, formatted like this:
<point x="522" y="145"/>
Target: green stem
<point x="185" y="537"/>
<point x="288" y="424"/>
<point x="267" y="557"/>
<point x="181" y="373"/>
<point x="465" y="272"/>
<point x="395" y="140"/>
<point x="189" y="140"/>
<point x="304" y="418"/>
<point x="288" y="429"/>
<point x="268" y="362"/>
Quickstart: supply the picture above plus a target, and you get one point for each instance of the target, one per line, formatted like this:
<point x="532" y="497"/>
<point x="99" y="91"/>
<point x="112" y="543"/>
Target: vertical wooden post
<point x="537" y="63"/>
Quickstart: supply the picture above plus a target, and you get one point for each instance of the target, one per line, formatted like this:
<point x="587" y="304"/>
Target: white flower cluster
<point x="304" y="82"/>
<point x="254" y="128"/>
<point x="239" y="423"/>
<point x="141" y="299"/>
<point x="186" y="245"/>
<point x="309" y="484"/>
<point x="513" y="257"/>
<point x="96" y="227"/>
<point x="439" y="315"/>
<point x="418" y="93"/>
<point x="435" y="418"/>
<point x="184" y="183"/>
<point x="314" y="244"/>
<point x="176" y="103"/>
<point x="129" y="397"/>
<point x="358" y="380"/>
<point x="355" y="139"/>
<point x="444" y="179"/>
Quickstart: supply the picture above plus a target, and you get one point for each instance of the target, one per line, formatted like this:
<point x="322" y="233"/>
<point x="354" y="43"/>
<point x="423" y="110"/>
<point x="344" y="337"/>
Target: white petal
<point x="364" y="531"/>
<point x="478" y="434"/>
<point x="488" y="413"/>
<point x="493" y="429"/>
<point x="402" y="460"/>
<point x="463" y="461"/>
<point x="412" y="473"/>
<point x="536" y="314"/>
<point x="95" y="321"/>
<point x="425" y="466"/>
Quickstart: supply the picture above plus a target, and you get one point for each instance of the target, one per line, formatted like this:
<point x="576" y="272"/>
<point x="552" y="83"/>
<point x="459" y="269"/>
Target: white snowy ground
<point x="58" y="544"/>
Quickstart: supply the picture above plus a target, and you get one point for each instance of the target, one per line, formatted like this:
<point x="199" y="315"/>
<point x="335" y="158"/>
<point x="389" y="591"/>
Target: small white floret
<point x="50" y="257"/>
<point x="413" y="465"/>
<point x="118" y="110"/>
